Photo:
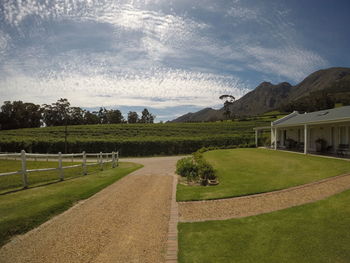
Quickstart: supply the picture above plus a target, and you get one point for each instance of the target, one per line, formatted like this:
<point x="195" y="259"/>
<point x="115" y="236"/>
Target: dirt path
<point x="126" y="222"/>
<point x="262" y="203"/>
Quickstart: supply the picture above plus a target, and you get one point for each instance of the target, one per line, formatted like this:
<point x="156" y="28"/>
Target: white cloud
<point x="5" y="44"/>
<point x="291" y="62"/>
<point x="242" y="13"/>
<point x="153" y="57"/>
<point x="159" y="88"/>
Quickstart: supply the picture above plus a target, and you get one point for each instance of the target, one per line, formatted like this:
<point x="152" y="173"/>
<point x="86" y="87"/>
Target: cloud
<point x="242" y="13"/>
<point x="291" y="62"/>
<point x="158" y="88"/>
<point x="156" y="53"/>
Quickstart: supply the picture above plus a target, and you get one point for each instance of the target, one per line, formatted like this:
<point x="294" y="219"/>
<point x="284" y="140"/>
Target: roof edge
<point x="291" y="115"/>
<point x="339" y="120"/>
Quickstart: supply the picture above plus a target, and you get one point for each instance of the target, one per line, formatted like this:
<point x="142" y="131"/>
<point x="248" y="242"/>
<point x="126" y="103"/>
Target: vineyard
<point x="133" y="139"/>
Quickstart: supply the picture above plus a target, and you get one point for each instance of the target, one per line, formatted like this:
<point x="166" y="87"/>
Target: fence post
<point x="113" y="159"/>
<point x="118" y="158"/>
<point x="60" y="169"/>
<point x="47" y="157"/>
<point x="101" y="161"/>
<point x="84" y="163"/>
<point x="24" y="169"/>
<point x="72" y="158"/>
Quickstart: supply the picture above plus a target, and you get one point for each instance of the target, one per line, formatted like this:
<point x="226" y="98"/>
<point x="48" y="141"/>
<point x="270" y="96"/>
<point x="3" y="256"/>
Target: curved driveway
<point x="262" y="203"/>
<point x="125" y="222"/>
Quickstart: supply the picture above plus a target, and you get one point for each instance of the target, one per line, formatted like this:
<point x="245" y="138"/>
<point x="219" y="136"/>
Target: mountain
<point x="320" y="89"/>
<point x="207" y="114"/>
<point x="263" y="98"/>
<point x="325" y="79"/>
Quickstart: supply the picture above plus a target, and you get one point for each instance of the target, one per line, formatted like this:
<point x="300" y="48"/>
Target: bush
<point x="206" y="172"/>
<point x="196" y="168"/>
<point x="186" y="167"/>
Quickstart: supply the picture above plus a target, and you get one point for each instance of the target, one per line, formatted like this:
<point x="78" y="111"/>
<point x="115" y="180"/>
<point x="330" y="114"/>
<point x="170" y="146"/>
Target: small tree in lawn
<point x="228" y="101"/>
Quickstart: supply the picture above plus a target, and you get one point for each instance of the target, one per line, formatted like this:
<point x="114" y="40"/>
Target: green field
<point x="134" y="139"/>
<point x="23" y="210"/>
<point x="250" y="171"/>
<point x="312" y="233"/>
<point x="14" y="182"/>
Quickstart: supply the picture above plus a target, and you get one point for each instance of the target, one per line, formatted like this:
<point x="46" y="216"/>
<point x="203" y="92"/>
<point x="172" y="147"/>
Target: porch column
<point x="306" y="141"/>
<point x="347" y="135"/>
<point x="256" y="138"/>
<point x="272" y="136"/>
<point x="276" y="138"/>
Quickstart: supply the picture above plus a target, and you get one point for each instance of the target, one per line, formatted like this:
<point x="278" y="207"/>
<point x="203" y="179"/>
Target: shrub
<point x="206" y="172"/>
<point x="196" y="168"/>
<point x="186" y="167"/>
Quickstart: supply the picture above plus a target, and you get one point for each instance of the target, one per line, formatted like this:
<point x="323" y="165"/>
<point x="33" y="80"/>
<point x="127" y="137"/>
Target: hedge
<point x="126" y="147"/>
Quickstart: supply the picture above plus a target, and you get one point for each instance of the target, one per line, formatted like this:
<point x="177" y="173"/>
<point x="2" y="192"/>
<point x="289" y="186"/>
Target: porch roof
<point x="317" y="117"/>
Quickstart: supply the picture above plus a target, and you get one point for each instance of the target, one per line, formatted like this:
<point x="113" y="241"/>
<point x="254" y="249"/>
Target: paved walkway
<point x="262" y="203"/>
<point x="126" y="222"/>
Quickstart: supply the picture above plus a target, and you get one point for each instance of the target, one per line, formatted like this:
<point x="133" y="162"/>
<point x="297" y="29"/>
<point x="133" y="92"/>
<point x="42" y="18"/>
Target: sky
<point x="171" y="57"/>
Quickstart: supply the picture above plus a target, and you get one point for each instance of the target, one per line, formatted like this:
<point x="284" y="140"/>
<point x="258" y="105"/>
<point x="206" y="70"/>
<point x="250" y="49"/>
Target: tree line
<point x="18" y="114"/>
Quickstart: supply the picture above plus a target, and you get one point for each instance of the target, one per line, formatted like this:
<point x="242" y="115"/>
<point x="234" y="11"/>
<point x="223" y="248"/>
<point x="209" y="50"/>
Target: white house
<point x="325" y="130"/>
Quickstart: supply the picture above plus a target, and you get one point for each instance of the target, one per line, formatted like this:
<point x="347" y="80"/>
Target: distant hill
<point x="207" y="114"/>
<point x="318" y="90"/>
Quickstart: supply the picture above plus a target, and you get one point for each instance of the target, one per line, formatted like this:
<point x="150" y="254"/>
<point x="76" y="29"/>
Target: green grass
<point x="23" y="210"/>
<point x="312" y="233"/>
<point x="14" y="182"/>
<point x="250" y="171"/>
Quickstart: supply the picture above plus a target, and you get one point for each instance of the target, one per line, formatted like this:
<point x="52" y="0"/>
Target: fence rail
<point x="24" y="171"/>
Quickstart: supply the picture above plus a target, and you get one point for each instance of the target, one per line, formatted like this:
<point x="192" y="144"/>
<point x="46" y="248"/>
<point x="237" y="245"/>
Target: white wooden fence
<point x="23" y="156"/>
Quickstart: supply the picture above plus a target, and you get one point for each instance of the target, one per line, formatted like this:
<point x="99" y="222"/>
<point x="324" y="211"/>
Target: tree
<point x="229" y="99"/>
<point x="57" y="113"/>
<point x="91" y="118"/>
<point x="17" y="115"/>
<point x="133" y="117"/>
<point x="114" y="116"/>
<point x="147" y="117"/>
<point x="77" y="116"/>
<point x="102" y="114"/>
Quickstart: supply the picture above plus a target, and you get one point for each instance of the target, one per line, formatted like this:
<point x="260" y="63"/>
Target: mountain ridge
<point x="324" y="86"/>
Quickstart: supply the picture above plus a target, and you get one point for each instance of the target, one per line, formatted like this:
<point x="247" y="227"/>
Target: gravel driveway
<point x="262" y="203"/>
<point x="125" y="222"/>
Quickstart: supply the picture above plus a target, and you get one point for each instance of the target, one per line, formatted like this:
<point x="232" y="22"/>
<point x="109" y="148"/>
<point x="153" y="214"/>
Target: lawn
<point x="312" y="233"/>
<point x="14" y="182"/>
<point x="23" y="210"/>
<point x="249" y="171"/>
